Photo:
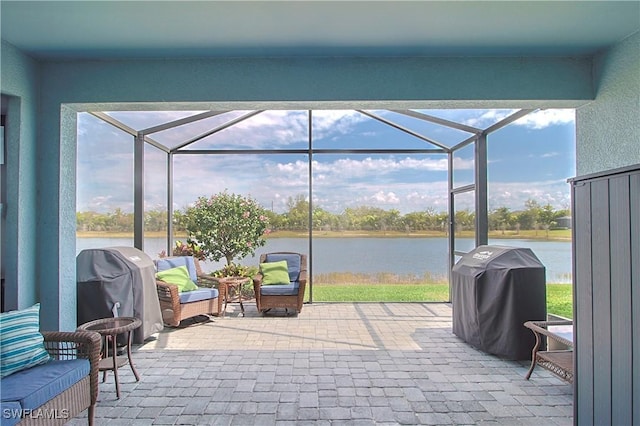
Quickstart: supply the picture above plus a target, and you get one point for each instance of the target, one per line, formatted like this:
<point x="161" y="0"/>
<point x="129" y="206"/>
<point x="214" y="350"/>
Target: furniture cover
<point x="118" y="281"/>
<point x="177" y="306"/>
<point x="494" y="291"/>
<point x="288" y="295"/>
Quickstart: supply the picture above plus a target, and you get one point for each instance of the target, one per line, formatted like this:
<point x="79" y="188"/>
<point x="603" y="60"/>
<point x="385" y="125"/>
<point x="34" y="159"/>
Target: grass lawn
<point x="559" y="296"/>
<point x="560" y="300"/>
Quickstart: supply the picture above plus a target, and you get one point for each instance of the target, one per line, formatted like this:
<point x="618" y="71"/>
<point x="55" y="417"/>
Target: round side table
<point x="233" y="291"/>
<point x="109" y="329"/>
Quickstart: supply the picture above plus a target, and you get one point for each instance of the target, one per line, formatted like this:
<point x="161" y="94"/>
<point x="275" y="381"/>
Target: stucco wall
<point x="608" y="129"/>
<point x="19" y="82"/>
<point x="319" y="79"/>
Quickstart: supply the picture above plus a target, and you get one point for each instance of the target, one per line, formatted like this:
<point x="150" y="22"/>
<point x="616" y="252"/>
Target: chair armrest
<point x="168" y="295"/>
<point x="77" y="344"/>
<point x="166" y="291"/>
<point x="207" y="281"/>
<point x="541" y="327"/>
<point x="257" y="280"/>
<point x="302" y="279"/>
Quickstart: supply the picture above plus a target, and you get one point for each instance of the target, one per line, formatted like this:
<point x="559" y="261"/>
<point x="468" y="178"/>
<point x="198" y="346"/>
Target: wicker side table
<point x="109" y="329"/>
<point x="233" y="291"/>
<point x="559" y="362"/>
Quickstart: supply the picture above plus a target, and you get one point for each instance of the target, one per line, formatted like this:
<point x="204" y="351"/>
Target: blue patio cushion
<point x="198" y="295"/>
<point x="10" y="413"/>
<point x="280" y="290"/>
<point x="36" y="385"/>
<point x="293" y="262"/>
<point x="165" y="263"/>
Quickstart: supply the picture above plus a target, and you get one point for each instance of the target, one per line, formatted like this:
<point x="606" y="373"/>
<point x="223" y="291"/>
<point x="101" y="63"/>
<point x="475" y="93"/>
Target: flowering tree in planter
<point x="226" y="226"/>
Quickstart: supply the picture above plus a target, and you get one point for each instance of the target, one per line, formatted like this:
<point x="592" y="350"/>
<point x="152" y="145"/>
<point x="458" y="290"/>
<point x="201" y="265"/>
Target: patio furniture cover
<point x="118" y="281"/>
<point x="494" y="291"/>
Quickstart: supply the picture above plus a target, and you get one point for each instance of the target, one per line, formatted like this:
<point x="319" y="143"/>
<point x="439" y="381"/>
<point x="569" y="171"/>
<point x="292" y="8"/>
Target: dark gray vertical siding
<point x="583" y="305"/>
<point x="606" y="212"/>
<point x="601" y="270"/>
<point x="634" y="190"/>
<point x="621" y="389"/>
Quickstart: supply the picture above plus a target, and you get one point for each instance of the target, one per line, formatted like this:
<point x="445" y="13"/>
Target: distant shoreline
<point x="553" y="235"/>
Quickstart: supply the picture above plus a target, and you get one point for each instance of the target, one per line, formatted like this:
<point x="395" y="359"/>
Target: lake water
<point x="372" y="255"/>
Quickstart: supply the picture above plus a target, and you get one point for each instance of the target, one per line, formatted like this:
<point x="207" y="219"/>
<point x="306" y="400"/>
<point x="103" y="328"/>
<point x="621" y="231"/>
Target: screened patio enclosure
<point x="172" y="152"/>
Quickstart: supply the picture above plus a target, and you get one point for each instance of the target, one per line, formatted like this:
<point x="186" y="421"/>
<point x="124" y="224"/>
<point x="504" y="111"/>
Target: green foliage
<point x="500" y="219"/>
<point x="298" y="215"/>
<point x="465" y="220"/>
<point x="235" y="270"/>
<point x="190" y="248"/>
<point x="226" y="226"/>
<point x="560" y="300"/>
<point x="547" y="216"/>
<point x="363" y="218"/>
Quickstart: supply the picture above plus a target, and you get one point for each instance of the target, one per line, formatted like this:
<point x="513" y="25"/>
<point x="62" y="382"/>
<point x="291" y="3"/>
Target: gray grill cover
<point x="124" y="275"/>
<point x="494" y="291"/>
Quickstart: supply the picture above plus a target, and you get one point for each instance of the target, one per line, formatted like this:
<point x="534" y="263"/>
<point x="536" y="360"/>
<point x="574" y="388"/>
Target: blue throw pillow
<point x="21" y="343"/>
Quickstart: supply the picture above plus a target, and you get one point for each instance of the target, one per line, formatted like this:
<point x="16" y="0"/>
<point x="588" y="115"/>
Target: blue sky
<point x="529" y="159"/>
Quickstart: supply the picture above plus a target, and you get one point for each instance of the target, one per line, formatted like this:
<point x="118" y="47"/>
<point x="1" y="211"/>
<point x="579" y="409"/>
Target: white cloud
<point x="385" y="198"/>
<point x="105" y="183"/>
<point x="547" y="117"/>
<point x="348" y="167"/>
<point x="486" y="118"/>
<point x="550" y="154"/>
<point x="333" y="123"/>
<point x="515" y="194"/>
<point x="482" y="119"/>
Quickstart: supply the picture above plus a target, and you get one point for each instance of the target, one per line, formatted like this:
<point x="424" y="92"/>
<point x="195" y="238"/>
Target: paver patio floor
<point x="334" y="364"/>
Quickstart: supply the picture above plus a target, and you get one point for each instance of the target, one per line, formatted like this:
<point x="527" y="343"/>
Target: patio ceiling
<point x="172" y="29"/>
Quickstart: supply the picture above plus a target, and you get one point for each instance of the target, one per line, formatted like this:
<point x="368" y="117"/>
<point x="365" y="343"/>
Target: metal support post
<point x="138" y="192"/>
<point x="451" y="221"/>
<point x="482" y="213"/>
<point x="169" y="203"/>
<point x="310" y="257"/>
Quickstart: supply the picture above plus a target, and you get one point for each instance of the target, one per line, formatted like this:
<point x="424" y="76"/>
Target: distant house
<point x="564" y="222"/>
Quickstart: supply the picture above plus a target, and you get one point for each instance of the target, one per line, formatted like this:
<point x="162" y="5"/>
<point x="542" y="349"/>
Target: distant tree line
<point x="533" y="216"/>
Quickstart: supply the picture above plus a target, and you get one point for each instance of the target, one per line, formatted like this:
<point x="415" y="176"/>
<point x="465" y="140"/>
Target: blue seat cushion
<point x="11" y="411"/>
<point x="198" y="295"/>
<point x="280" y="290"/>
<point x="36" y="385"/>
<point x="165" y="263"/>
<point x="293" y="263"/>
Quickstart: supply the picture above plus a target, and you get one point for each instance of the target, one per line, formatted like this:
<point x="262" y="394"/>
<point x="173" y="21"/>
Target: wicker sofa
<point x="286" y="295"/>
<point x="54" y="392"/>
<point x="177" y="306"/>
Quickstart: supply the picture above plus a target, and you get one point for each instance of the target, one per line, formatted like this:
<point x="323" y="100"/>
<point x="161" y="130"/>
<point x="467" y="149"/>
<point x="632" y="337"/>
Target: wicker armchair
<point x="176" y="306"/>
<point x="84" y="394"/>
<point x="289" y="295"/>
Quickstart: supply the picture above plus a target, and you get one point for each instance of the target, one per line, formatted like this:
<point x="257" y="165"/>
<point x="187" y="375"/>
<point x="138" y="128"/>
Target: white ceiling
<point x="127" y="29"/>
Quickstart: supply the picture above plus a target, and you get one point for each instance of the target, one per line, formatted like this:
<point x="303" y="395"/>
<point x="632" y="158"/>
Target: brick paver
<point x="342" y="363"/>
